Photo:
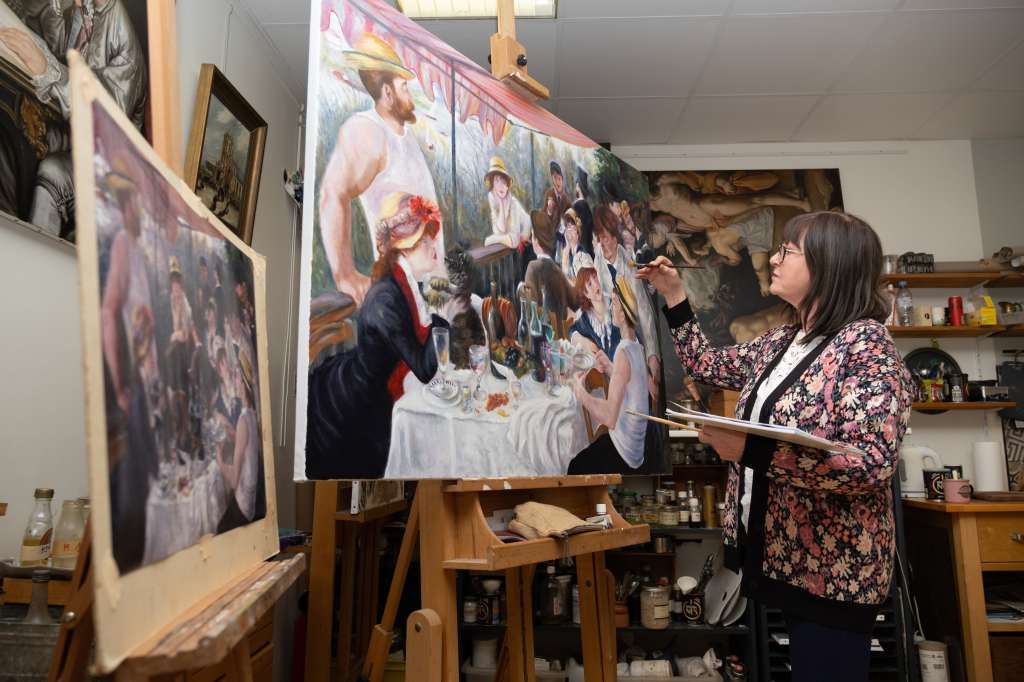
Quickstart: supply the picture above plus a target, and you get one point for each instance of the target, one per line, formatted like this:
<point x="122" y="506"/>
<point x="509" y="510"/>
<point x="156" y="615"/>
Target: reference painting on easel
<point x="729" y="223"/>
<point x="180" y="456"/>
<point x="468" y="273"/>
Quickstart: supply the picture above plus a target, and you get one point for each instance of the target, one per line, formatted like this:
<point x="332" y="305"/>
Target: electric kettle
<point x="914" y="459"/>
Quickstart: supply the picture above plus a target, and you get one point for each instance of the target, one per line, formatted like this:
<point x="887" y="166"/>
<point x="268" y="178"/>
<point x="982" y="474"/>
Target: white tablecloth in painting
<point x="176" y="520"/>
<point x="539" y="437"/>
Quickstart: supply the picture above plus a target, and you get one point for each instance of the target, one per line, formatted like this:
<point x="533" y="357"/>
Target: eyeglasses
<point x="781" y="253"/>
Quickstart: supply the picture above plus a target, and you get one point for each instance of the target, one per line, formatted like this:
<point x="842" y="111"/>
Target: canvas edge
<point x="120" y="634"/>
<point x="306" y="253"/>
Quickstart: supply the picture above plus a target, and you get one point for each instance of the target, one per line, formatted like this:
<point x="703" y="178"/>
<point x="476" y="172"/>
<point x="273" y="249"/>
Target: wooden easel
<point x="214" y="630"/>
<point x="448" y="519"/>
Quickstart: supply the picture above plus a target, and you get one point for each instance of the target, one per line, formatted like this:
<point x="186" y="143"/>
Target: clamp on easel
<point x="508" y="56"/>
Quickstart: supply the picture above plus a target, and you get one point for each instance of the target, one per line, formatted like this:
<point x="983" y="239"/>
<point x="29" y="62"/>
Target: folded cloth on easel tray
<point x="535" y="520"/>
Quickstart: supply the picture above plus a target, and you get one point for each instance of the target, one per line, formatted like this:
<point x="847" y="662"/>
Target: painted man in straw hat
<point x="375" y="156"/>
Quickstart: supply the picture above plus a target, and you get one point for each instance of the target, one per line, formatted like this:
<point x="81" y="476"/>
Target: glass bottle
<point x="904" y="306"/>
<point x="495" y="328"/>
<point x="545" y="320"/>
<point x="537" y="340"/>
<point x="36" y="543"/>
<point x="38" y="608"/>
<point x="551" y="610"/>
<point x="86" y="507"/>
<point x="67" y="536"/>
<point x="523" y="329"/>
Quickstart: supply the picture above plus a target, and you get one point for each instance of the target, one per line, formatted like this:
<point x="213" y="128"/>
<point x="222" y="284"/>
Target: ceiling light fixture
<point x="475" y="9"/>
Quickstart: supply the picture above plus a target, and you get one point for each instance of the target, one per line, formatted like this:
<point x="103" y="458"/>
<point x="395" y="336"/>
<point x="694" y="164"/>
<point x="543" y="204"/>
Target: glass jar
<point x="654" y="608"/>
<point x="649" y="510"/>
<point x="668" y="515"/>
<point x="632" y="516"/>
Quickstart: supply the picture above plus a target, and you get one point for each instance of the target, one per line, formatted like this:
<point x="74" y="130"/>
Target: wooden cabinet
<point x="973" y="539"/>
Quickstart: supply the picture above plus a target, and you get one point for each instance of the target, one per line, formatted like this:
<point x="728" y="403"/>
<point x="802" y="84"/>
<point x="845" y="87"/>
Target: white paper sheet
<point x="786" y="433"/>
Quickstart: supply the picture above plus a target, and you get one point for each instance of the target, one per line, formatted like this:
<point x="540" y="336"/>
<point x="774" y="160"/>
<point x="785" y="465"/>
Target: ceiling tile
<point x="960" y="4"/>
<point x="922" y="51"/>
<point x="785" y="54"/>
<point x="709" y="120"/>
<point x="572" y="9"/>
<point x="623" y="58"/>
<point x="869" y="117"/>
<point x="773" y="6"/>
<point x="292" y="41"/>
<point x="978" y="115"/>
<point x="1006" y="74"/>
<point x="472" y="37"/>
<point x="622" y="121"/>
<point x="277" y="12"/>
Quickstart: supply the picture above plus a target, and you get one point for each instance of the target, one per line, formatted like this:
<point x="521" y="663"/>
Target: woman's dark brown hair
<point x="583" y="278"/>
<point x="844" y="257"/>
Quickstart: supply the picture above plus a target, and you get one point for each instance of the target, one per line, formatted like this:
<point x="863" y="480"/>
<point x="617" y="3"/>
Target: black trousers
<point x="818" y="652"/>
<point x="600" y="457"/>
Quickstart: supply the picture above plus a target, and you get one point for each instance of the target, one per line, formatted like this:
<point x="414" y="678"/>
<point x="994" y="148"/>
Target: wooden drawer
<point x="996" y="533"/>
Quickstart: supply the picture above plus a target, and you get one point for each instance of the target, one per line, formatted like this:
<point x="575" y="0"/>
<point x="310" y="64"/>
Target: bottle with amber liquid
<point x="36" y="543"/>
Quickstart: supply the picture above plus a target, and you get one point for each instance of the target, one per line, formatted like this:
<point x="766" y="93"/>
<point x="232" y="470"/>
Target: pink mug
<point x="957" y="490"/>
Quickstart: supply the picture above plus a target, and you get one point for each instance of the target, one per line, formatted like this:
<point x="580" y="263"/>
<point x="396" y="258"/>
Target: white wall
<point x="919" y="196"/>
<point x="999" y="176"/>
<point x="42" y="415"/>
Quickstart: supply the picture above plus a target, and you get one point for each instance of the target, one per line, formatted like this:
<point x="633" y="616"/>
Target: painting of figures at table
<point x="178" y="324"/>
<point x="730" y="222"/>
<point x="35" y="136"/>
<point x="468" y="273"/>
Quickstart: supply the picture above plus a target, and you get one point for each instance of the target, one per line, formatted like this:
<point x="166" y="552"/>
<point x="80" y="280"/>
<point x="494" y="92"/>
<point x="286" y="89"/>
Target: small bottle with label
<point x="676" y="604"/>
<point x="551" y="608"/>
<point x="36" y="543"/>
<point x="695" y="517"/>
<point x="601" y="516"/>
<point x="67" y="536"/>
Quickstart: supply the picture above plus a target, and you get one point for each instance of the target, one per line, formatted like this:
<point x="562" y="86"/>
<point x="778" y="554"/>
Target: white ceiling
<point x="721" y="71"/>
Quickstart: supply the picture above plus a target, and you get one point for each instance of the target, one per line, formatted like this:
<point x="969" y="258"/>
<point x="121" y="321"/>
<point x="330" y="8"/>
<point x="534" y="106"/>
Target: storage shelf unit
<point x="956" y="280"/>
<point x="673" y="627"/>
<point x="974" y="405"/>
<point x="945" y="332"/>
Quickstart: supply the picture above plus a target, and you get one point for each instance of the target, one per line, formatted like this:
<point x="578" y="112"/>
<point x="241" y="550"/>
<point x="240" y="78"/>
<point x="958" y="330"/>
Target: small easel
<point x="214" y="630"/>
<point x="508" y="56"/>
<point x="448" y="519"/>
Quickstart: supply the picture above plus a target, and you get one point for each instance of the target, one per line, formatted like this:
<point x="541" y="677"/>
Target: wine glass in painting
<point x="440" y="335"/>
<point x="478" y="357"/>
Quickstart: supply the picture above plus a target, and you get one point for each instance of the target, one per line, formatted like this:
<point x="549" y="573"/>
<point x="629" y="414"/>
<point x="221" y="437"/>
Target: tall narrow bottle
<point x="38" y="538"/>
<point x="523" y="329"/>
<point x="495" y="328"/>
<point x="538" y="344"/>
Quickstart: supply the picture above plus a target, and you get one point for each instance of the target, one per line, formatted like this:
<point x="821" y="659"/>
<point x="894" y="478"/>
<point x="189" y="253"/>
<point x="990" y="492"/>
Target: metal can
<point x="661" y="544"/>
<point x="654" y="608"/>
<point x="956" y="311"/>
<point x="661" y="497"/>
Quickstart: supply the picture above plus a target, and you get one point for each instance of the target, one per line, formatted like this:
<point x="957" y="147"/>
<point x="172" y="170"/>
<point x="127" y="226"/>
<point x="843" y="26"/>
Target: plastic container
<point x="904" y="306"/>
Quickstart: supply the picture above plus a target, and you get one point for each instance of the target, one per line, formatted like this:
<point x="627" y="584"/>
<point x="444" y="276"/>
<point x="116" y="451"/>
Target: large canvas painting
<point x="35" y="121"/>
<point x="730" y="223"/>
<point x="469" y="295"/>
<point x="181" y="467"/>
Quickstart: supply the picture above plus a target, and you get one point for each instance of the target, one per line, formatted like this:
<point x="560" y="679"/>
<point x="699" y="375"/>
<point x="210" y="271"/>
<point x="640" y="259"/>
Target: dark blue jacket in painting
<point x="351" y="394"/>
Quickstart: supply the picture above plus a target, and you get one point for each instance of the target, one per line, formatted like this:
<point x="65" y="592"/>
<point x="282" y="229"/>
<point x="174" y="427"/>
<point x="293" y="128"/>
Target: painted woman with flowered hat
<point x="351" y="395"/>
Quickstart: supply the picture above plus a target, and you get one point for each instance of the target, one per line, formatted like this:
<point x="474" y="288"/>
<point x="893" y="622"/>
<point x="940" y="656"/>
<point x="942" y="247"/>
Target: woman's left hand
<point x="727" y="443"/>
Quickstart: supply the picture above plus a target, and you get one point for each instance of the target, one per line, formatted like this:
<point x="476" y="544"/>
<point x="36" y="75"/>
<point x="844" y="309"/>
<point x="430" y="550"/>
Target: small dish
<point x="443" y="389"/>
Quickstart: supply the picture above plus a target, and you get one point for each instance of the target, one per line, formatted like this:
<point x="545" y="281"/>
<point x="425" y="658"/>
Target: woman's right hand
<point x="665" y="279"/>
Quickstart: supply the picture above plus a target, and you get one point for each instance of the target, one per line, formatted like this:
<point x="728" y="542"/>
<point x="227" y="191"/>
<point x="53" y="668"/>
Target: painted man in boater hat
<point x="376" y="155"/>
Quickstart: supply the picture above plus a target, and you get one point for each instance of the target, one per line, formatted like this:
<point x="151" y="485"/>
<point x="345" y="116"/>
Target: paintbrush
<point x="641" y="266"/>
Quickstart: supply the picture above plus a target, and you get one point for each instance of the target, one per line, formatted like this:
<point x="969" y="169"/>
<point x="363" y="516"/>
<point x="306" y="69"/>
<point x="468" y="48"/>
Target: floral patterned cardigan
<point x="820" y="538"/>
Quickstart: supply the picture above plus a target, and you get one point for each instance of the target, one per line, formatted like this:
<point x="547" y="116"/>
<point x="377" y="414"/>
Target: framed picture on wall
<point x="36" y="184"/>
<point x="225" y="152"/>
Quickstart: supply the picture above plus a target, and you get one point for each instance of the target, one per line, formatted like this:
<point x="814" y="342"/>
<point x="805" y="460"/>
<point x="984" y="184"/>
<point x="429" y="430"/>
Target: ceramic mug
<point x="957" y="490"/>
<point x="933" y="480"/>
<point x="922" y="316"/>
<point x="938" y="316"/>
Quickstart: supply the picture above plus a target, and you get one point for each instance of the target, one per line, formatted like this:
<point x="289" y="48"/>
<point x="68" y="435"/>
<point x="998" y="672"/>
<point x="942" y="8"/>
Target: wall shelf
<point x="956" y="280"/>
<point x="945" y="332"/>
<point x="976" y="405"/>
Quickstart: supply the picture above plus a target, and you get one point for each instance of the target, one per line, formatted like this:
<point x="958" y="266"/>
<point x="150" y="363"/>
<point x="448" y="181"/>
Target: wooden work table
<point x="972" y="538"/>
